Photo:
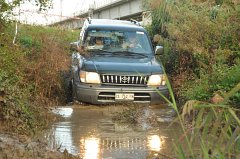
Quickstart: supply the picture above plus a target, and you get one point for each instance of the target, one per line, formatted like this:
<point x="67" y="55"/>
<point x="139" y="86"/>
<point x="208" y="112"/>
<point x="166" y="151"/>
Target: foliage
<point x="215" y="128"/>
<point x="30" y="73"/>
<point x="14" y="92"/>
<point x="47" y="51"/>
<point x="210" y="130"/>
<point x="223" y="79"/>
<point x="201" y="41"/>
<point x="6" y="8"/>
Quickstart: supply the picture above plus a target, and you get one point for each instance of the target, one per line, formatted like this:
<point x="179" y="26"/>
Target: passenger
<point x="132" y="42"/>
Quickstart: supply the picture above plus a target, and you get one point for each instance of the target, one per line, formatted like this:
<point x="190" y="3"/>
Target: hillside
<point x="31" y="74"/>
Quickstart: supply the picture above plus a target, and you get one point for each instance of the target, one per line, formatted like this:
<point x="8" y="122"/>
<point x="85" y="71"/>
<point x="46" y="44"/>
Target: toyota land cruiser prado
<point x="114" y="61"/>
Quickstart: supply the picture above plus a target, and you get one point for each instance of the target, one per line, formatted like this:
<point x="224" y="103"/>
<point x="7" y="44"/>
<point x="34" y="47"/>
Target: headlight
<point x="89" y="77"/>
<point x="156" y="80"/>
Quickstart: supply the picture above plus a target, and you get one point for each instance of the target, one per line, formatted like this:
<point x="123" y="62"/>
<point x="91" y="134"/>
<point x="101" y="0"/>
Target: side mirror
<point x="74" y="46"/>
<point x="76" y="59"/>
<point x="159" y="50"/>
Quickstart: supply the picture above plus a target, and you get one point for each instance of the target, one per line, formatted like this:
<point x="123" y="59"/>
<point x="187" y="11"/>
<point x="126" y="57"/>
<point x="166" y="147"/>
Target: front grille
<point x="124" y="79"/>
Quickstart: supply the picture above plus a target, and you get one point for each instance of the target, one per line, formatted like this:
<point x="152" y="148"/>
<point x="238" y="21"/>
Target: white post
<point x="16" y="26"/>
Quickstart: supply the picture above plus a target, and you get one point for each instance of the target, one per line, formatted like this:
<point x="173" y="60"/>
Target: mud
<point x="23" y="147"/>
<point x="90" y="133"/>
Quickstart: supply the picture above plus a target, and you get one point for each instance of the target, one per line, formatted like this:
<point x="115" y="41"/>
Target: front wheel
<point x="68" y="86"/>
<point x="69" y="91"/>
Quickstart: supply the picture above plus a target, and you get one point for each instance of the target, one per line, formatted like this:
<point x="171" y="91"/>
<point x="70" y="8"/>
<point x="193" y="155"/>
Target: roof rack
<point x="135" y="22"/>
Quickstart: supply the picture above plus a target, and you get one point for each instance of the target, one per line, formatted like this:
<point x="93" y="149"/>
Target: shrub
<point x="201" y="41"/>
<point x="30" y="74"/>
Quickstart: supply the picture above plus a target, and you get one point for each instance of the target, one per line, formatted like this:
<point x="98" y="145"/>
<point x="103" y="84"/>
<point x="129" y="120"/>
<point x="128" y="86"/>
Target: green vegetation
<point x="202" y="58"/>
<point x="30" y="74"/>
<point x="202" y="46"/>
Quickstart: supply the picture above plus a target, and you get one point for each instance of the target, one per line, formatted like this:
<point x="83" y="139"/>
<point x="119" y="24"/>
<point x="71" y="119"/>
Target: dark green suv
<point x="114" y="61"/>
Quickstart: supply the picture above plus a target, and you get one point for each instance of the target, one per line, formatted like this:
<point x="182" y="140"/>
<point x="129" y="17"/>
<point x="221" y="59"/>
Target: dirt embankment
<point x="25" y="148"/>
<point x="30" y="82"/>
<point x="15" y="143"/>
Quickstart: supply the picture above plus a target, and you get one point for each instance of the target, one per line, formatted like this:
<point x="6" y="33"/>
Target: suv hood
<point x="124" y="64"/>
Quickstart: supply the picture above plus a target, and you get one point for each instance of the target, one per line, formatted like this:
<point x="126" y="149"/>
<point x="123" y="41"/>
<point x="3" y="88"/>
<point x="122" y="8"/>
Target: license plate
<point x="124" y="96"/>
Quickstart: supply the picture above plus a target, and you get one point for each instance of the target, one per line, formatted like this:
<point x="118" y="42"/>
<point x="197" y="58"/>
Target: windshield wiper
<point x="99" y="50"/>
<point x="131" y="53"/>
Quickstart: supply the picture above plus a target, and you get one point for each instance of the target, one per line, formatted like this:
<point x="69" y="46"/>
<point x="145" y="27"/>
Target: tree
<point x="7" y="6"/>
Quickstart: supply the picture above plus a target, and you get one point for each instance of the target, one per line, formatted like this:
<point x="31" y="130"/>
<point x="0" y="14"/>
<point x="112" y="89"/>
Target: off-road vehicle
<point x="115" y="69"/>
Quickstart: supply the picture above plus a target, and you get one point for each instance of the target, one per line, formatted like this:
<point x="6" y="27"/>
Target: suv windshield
<point x="117" y="41"/>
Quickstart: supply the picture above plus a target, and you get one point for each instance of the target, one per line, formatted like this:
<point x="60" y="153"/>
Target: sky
<point x="60" y="10"/>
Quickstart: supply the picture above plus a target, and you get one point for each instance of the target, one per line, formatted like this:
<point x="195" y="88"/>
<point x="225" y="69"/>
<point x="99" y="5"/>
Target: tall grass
<point x="202" y="39"/>
<point x="209" y="130"/>
<point x="47" y="54"/>
<point x="30" y="78"/>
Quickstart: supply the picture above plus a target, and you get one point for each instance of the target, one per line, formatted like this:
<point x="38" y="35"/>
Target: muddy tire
<point x="69" y="93"/>
<point x="68" y="86"/>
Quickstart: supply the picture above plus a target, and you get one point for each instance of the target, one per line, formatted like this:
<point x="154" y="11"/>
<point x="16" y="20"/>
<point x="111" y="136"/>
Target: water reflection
<point x="61" y="137"/>
<point x="91" y="134"/>
<point x="64" y="112"/>
<point x="155" y="143"/>
<point x="91" y="148"/>
<point x="95" y="148"/>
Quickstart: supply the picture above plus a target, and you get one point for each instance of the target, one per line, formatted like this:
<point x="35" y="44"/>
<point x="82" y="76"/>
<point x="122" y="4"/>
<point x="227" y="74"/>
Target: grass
<point x="201" y="50"/>
<point x="216" y="127"/>
<point x="202" y="59"/>
<point x="30" y="78"/>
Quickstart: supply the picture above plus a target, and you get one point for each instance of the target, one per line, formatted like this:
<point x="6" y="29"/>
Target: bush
<point x="47" y="51"/>
<point x="201" y="41"/>
<point x="223" y="79"/>
<point x="30" y="74"/>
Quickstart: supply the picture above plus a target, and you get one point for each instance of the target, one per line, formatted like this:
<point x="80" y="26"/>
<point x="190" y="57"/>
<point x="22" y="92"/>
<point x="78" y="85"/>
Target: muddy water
<point x="88" y="131"/>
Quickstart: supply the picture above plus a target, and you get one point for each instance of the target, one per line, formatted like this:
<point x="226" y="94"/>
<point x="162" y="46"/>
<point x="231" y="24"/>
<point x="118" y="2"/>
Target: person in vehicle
<point x="99" y="41"/>
<point x="132" y="41"/>
<point x="95" y="43"/>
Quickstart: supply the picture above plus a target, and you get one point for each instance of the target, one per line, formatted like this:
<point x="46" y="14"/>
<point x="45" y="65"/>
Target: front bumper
<point x="105" y="94"/>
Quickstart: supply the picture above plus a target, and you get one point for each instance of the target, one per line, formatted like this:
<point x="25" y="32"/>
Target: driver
<point x="98" y="43"/>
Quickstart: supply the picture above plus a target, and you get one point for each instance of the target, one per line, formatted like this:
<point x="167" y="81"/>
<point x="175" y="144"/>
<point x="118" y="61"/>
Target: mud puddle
<point x="90" y="133"/>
